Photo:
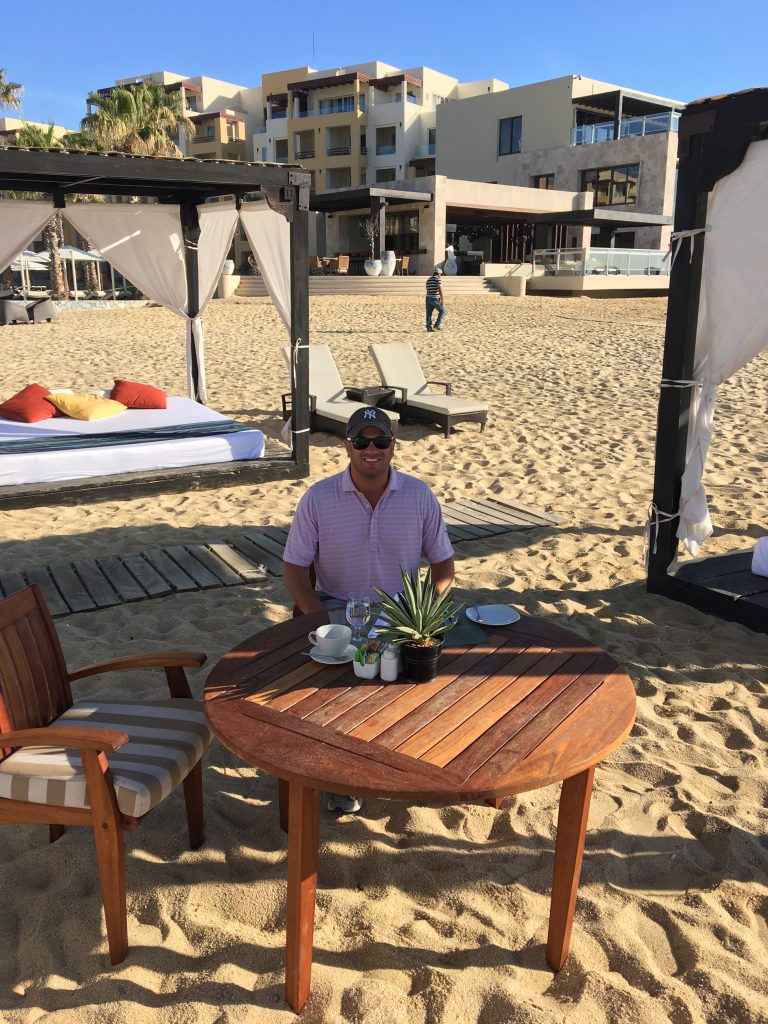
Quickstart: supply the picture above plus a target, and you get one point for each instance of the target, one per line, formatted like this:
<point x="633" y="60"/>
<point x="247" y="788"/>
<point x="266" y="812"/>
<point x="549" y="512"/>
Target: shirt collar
<point x="347" y="484"/>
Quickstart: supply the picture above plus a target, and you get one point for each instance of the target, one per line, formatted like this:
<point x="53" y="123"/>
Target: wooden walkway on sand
<point x="103" y="582"/>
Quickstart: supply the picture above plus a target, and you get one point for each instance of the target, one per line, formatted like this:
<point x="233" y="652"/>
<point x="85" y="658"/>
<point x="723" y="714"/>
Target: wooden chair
<point x="342" y="264"/>
<point x="402" y="265"/>
<point x="59" y="760"/>
<point x="316" y="265"/>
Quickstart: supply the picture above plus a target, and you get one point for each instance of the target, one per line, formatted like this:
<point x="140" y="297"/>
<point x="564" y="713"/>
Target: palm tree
<point x="36" y="137"/>
<point x="143" y="119"/>
<point x="10" y="92"/>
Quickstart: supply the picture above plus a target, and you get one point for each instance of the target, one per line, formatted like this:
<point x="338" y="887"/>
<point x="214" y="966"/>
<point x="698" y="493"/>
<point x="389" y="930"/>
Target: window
<point x="339" y="105"/>
<point x="386" y="174"/>
<point x="510" y="133"/>
<point x="543" y="181"/>
<point x="612" y="186"/>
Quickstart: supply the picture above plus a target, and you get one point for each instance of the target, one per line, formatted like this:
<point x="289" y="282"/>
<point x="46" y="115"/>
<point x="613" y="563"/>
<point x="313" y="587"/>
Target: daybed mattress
<point x="54" y="466"/>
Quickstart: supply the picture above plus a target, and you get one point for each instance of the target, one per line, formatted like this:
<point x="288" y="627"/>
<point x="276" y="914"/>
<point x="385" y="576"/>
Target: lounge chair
<point x="328" y="403"/>
<point x="12" y="311"/>
<point x="99" y="763"/>
<point x="41" y="309"/>
<point x="399" y="368"/>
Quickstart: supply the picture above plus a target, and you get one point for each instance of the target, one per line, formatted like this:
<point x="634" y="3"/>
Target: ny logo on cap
<point x="369" y="414"/>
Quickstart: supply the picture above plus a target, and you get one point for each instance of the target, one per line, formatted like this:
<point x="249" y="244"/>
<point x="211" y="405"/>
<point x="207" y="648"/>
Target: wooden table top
<point x="530" y="705"/>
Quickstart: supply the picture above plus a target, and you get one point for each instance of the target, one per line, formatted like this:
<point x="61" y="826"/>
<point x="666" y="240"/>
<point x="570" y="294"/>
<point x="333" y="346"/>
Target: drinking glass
<point x="358" y="614"/>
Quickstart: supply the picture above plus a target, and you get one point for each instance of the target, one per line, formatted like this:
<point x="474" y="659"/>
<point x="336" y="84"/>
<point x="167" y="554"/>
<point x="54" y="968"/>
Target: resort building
<point x="225" y="115"/>
<point x="362" y="124"/>
<point x="576" y="134"/>
<point x="11" y="126"/>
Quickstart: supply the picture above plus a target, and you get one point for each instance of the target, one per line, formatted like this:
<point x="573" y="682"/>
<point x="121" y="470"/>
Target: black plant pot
<point x="420" y="663"/>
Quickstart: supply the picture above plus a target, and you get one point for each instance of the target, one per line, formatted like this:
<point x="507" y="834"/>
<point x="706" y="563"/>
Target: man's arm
<point x="299" y="586"/>
<point x="442" y="574"/>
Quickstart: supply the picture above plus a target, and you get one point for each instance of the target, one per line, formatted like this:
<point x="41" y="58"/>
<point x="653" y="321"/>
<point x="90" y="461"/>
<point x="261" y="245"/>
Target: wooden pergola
<point x="187" y="182"/>
<point x="714" y="135"/>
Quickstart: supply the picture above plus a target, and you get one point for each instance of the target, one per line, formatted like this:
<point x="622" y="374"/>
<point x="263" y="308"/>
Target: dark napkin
<point x="464" y="633"/>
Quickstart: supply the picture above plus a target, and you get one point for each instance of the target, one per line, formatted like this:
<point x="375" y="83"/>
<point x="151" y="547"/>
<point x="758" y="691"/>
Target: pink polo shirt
<point x="356" y="548"/>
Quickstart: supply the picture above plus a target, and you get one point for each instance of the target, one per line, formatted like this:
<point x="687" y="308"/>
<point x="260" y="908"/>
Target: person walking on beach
<point x="435" y="299"/>
<point x="359" y="527"/>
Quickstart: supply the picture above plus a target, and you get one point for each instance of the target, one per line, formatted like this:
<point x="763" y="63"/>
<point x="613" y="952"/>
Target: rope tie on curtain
<point x="677" y="238"/>
<point x="667" y="382"/>
<point x="655" y="518"/>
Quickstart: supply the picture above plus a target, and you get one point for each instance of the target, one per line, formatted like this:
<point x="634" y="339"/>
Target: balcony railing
<point x="309" y="112"/>
<point x="260" y="131"/>
<point x="611" y="262"/>
<point x="385" y="150"/>
<point x="629" y="127"/>
<point x="281" y="159"/>
<point x="305" y="154"/>
<point x="427" y="149"/>
<point x="338" y="150"/>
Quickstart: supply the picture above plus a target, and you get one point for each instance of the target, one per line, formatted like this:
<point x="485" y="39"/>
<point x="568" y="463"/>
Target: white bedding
<point x="50" y="467"/>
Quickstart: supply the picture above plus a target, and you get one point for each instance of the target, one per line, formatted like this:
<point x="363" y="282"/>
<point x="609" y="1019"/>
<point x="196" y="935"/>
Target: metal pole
<point x="191" y="230"/>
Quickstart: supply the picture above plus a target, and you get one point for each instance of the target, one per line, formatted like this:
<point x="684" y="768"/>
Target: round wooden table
<point x="529" y="705"/>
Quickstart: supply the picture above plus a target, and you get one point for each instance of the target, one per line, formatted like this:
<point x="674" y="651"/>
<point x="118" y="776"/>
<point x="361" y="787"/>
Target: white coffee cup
<point x="331" y="640"/>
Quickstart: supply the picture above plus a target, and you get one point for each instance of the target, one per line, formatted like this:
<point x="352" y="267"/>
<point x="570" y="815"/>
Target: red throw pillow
<point x="138" y="396"/>
<point x="28" y="406"/>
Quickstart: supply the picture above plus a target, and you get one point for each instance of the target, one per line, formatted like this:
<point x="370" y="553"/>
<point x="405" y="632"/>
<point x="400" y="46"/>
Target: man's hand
<point x="300" y="588"/>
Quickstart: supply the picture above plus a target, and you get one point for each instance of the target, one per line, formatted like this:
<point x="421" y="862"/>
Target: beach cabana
<point x="717" y="321"/>
<point x="172" y="248"/>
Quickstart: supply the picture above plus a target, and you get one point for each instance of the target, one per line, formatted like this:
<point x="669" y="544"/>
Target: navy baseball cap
<point x="369" y="416"/>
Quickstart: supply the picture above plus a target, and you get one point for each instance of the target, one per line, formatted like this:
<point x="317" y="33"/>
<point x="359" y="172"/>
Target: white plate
<point x="326" y="659"/>
<point x="493" y="615"/>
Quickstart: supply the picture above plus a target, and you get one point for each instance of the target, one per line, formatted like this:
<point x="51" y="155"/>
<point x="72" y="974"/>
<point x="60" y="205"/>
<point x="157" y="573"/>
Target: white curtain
<point x="733" y="317"/>
<point x="145" y="243"/>
<point x="20" y="221"/>
<point x="269" y="234"/>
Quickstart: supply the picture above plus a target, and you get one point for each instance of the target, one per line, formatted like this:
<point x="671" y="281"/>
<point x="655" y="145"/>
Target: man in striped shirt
<point x="435" y="299"/>
<point x="359" y="527"/>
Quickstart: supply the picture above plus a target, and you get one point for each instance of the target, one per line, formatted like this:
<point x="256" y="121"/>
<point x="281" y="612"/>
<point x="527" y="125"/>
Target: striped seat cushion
<point x="166" y="739"/>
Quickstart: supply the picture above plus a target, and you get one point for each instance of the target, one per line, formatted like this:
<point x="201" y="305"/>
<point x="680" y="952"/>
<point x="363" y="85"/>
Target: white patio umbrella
<point x="26" y="261"/>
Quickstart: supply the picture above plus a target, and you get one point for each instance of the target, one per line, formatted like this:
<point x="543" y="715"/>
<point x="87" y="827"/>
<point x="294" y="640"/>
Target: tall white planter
<point x="372" y="267"/>
<point x="388" y="263"/>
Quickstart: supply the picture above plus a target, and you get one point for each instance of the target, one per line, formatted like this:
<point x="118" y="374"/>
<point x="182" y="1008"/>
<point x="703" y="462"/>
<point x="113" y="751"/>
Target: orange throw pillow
<point x="28" y="406"/>
<point x="138" y="396"/>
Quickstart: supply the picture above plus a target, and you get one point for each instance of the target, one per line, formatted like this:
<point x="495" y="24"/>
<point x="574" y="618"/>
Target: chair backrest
<point x="34" y="682"/>
<point x="343" y="264"/>
<point x="315" y="263"/>
<point x="324" y="380"/>
<point x="398" y="365"/>
<point x="404" y="264"/>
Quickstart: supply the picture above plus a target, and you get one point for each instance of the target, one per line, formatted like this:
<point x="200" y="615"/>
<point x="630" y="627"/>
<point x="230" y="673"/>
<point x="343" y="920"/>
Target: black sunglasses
<point x="361" y="443"/>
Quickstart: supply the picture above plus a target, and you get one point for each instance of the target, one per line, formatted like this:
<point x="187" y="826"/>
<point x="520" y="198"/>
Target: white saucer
<point x="493" y="615"/>
<point x="326" y="659"/>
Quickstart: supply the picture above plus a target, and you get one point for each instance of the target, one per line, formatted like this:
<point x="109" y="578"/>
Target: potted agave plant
<point x="416" y="619"/>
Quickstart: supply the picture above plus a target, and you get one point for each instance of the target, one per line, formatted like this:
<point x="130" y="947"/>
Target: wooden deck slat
<point x="263" y="540"/>
<point x="11" y="582"/>
<point x="501" y="517"/>
<point x="266" y="559"/>
<point x="238" y="562"/>
<point x="72" y="589"/>
<point x="42" y="577"/>
<point x="546" y="518"/>
<point x="147" y="576"/>
<point x="214" y="564"/>
<point x="195" y="569"/>
<point x="475" y="516"/>
<point x="125" y="584"/>
<point x="170" y="571"/>
<point x="97" y="585"/>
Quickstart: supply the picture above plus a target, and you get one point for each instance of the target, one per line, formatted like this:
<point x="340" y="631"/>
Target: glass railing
<point x="385" y="150"/>
<point x="260" y="131"/>
<point x="309" y="112"/>
<point x="277" y="115"/>
<point x="629" y="127"/>
<point x="281" y="159"/>
<point x="427" y="149"/>
<point x="610" y="262"/>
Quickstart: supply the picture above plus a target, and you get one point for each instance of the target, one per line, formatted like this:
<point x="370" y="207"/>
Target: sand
<point x="426" y="914"/>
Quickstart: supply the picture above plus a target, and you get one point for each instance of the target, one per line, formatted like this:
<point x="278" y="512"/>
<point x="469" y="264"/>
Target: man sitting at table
<point x="360" y="526"/>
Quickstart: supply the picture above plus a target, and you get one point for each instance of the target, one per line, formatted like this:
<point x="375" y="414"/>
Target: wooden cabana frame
<point x="714" y="135"/>
<point x="187" y="182"/>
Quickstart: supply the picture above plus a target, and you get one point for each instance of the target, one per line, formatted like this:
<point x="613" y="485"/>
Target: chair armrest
<point x="403" y="391"/>
<point x="163" y="659"/>
<point x="442" y="384"/>
<point x="174" y="663"/>
<point x="63" y="736"/>
<point x="286" y="400"/>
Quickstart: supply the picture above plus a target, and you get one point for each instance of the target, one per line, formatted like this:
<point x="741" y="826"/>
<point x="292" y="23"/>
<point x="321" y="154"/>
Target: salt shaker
<point x="388" y="667"/>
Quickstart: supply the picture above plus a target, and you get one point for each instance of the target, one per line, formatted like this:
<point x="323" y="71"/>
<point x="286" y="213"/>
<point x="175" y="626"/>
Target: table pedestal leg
<point x="303" y="841"/>
<point x="569" y="848"/>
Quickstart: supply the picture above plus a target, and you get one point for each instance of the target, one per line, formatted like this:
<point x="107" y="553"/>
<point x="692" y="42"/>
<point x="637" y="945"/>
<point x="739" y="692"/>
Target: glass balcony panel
<point x="608" y="262"/>
<point x="385" y="150"/>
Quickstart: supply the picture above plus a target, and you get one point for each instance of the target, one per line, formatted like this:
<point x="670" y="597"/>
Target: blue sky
<point x="684" y="50"/>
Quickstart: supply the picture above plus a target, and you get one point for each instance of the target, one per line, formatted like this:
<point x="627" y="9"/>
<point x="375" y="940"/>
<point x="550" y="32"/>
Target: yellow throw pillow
<point x="86" y="407"/>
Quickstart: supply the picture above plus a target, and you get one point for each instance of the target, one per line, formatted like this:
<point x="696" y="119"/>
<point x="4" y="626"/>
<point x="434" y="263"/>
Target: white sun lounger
<point x="329" y="406"/>
<point x="399" y="368"/>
